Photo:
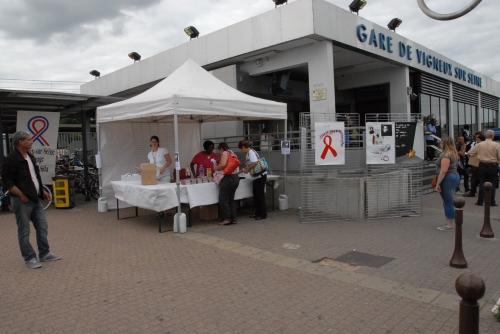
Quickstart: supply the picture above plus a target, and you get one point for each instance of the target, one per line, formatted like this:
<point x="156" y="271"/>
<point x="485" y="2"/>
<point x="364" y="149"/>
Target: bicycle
<point x="5" y="199"/>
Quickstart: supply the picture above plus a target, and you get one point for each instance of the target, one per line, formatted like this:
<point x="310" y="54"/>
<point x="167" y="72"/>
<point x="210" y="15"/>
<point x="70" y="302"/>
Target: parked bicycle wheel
<point x="45" y="203"/>
<point x="94" y="189"/>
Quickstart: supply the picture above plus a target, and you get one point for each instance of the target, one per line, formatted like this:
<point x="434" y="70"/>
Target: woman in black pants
<point x="259" y="181"/>
<point x="227" y="188"/>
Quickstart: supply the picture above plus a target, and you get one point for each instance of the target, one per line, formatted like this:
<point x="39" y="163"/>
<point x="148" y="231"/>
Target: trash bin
<point x="283" y="202"/>
<point x="63" y="189"/>
<point x="102" y="204"/>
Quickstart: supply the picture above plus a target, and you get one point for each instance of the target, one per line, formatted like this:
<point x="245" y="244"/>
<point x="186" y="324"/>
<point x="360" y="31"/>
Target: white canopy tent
<point x="187" y="98"/>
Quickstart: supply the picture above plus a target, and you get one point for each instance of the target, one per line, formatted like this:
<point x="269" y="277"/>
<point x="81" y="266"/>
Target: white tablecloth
<point x="163" y="196"/>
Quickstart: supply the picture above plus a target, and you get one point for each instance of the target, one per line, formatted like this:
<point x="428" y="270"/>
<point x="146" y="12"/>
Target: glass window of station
<point x="438" y="108"/>
<point x="463" y="114"/>
<point x="489" y="118"/>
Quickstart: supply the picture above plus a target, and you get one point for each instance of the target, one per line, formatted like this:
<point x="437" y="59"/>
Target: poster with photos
<point x="380" y="143"/>
<point x="329" y="143"/>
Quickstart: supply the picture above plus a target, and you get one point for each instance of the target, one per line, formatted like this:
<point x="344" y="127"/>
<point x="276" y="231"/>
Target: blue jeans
<point x="448" y="185"/>
<point x="24" y="213"/>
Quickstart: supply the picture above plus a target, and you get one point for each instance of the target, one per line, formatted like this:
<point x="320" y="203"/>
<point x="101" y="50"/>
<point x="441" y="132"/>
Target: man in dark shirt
<point x="21" y="176"/>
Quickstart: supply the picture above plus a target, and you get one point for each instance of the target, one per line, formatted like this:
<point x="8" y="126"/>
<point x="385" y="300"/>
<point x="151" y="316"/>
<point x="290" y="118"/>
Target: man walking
<point x="474" y="179"/>
<point x="21" y="176"/>
<point x="488" y="153"/>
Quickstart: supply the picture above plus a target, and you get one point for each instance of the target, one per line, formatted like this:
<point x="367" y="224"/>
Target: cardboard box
<point x="148" y="174"/>
<point x="209" y="212"/>
<point x="474" y="161"/>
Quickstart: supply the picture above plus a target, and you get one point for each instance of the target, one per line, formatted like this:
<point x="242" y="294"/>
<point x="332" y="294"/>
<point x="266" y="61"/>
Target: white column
<point x="451" y="106"/>
<point x="321" y="76"/>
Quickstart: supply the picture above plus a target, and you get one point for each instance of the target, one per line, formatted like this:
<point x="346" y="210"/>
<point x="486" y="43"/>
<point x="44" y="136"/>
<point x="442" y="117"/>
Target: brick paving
<point x="125" y="277"/>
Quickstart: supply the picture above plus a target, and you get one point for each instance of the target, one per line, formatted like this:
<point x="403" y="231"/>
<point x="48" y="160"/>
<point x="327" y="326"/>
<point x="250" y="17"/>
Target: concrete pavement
<point x="122" y="276"/>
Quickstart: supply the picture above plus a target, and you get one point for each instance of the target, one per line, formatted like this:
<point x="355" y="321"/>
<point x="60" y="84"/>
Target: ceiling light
<point x="279" y="2"/>
<point x="394" y="24"/>
<point x="135" y="56"/>
<point x="192" y="32"/>
<point x="95" y="73"/>
<point x="357" y="5"/>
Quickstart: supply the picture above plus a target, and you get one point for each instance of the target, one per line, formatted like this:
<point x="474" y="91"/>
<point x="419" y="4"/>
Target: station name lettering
<point x="386" y="43"/>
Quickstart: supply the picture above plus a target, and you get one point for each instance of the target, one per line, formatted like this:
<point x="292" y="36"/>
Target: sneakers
<point x="470" y="195"/>
<point x="446" y="228"/>
<point x="50" y="257"/>
<point x="33" y="263"/>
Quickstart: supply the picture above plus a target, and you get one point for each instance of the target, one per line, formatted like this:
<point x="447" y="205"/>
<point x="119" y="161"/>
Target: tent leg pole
<point x="285" y="156"/>
<point x="177" y="176"/>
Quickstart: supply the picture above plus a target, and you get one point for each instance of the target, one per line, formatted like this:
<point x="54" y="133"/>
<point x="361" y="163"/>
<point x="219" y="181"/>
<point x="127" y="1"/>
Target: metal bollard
<point x="487" y="232"/>
<point x="471" y="288"/>
<point x="458" y="258"/>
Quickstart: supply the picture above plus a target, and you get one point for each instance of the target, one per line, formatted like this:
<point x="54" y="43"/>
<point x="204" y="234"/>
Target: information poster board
<point x="380" y="143"/>
<point x="329" y="143"/>
<point x="44" y="127"/>
<point x="409" y="141"/>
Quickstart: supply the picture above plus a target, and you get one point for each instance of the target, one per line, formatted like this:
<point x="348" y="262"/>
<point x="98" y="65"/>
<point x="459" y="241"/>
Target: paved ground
<point x="125" y="277"/>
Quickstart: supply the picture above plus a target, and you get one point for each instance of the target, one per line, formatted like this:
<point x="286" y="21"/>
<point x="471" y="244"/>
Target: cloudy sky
<point x="61" y="40"/>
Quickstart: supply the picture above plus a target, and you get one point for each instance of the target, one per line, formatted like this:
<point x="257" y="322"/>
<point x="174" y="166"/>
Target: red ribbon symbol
<point x="37" y="133"/>
<point x="328" y="147"/>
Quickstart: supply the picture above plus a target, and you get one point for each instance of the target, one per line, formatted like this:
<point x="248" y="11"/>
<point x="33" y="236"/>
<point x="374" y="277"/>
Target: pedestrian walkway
<point x="268" y="276"/>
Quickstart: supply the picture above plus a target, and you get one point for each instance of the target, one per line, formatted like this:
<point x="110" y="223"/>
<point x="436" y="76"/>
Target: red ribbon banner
<point x="328" y="147"/>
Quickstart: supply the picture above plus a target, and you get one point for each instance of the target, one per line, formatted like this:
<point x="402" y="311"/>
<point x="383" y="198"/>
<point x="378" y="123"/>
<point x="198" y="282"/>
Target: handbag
<point x="218" y="177"/>
<point x="434" y="181"/>
<point x="261" y="167"/>
<point x="232" y="163"/>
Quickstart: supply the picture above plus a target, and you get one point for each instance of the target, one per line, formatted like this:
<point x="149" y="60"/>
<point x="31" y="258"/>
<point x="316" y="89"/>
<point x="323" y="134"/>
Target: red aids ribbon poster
<point x="329" y="143"/>
<point x="44" y="128"/>
<point x="380" y="143"/>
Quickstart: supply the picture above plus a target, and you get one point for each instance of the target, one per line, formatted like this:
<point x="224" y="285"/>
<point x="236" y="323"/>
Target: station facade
<point x="328" y="61"/>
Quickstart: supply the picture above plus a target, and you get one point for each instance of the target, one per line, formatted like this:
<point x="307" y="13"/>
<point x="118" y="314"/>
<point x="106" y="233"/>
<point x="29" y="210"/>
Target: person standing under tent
<point x="227" y="187"/>
<point x="259" y="181"/>
<point x="21" y="176"/>
<point x="161" y="158"/>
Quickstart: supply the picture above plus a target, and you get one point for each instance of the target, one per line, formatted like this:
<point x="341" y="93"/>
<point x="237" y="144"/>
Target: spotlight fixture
<point x="95" y="73"/>
<point x="279" y="2"/>
<point x="192" y="32"/>
<point x="135" y="56"/>
<point x="395" y="22"/>
<point x="413" y="96"/>
<point x="357" y="5"/>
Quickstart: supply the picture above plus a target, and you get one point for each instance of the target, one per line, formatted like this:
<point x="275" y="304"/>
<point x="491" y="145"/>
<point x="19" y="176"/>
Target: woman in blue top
<point x="431" y="130"/>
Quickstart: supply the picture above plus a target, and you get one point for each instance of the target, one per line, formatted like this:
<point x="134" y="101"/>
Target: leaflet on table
<point x="198" y="180"/>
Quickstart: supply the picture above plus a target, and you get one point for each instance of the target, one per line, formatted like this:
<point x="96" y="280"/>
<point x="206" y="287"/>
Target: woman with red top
<point x="207" y="159"/>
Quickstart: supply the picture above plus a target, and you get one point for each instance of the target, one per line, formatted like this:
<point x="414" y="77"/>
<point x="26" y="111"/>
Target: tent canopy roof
<point x="194" y="95"/>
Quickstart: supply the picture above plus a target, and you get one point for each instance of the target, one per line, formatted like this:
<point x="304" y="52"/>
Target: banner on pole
<point x="44" y="128"/>
<point x="329" y="143"/>
<point x="380" y="143"/>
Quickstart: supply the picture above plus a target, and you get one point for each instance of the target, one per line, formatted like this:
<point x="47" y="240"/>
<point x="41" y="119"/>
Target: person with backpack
<point x="259" y="180"/>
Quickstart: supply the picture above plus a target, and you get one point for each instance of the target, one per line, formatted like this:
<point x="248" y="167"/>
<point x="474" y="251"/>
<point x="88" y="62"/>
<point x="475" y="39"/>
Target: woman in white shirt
<point x="161" y="158"/>
<point x="259" y="181"/>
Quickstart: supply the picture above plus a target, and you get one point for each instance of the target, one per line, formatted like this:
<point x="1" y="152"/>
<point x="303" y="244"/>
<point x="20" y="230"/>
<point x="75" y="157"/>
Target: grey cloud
<point x="41" y="20"/>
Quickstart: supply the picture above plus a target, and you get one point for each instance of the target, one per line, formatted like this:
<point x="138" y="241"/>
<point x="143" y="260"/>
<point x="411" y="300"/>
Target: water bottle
<point x="209" y="172"/>
<point x="202" y="171"/>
